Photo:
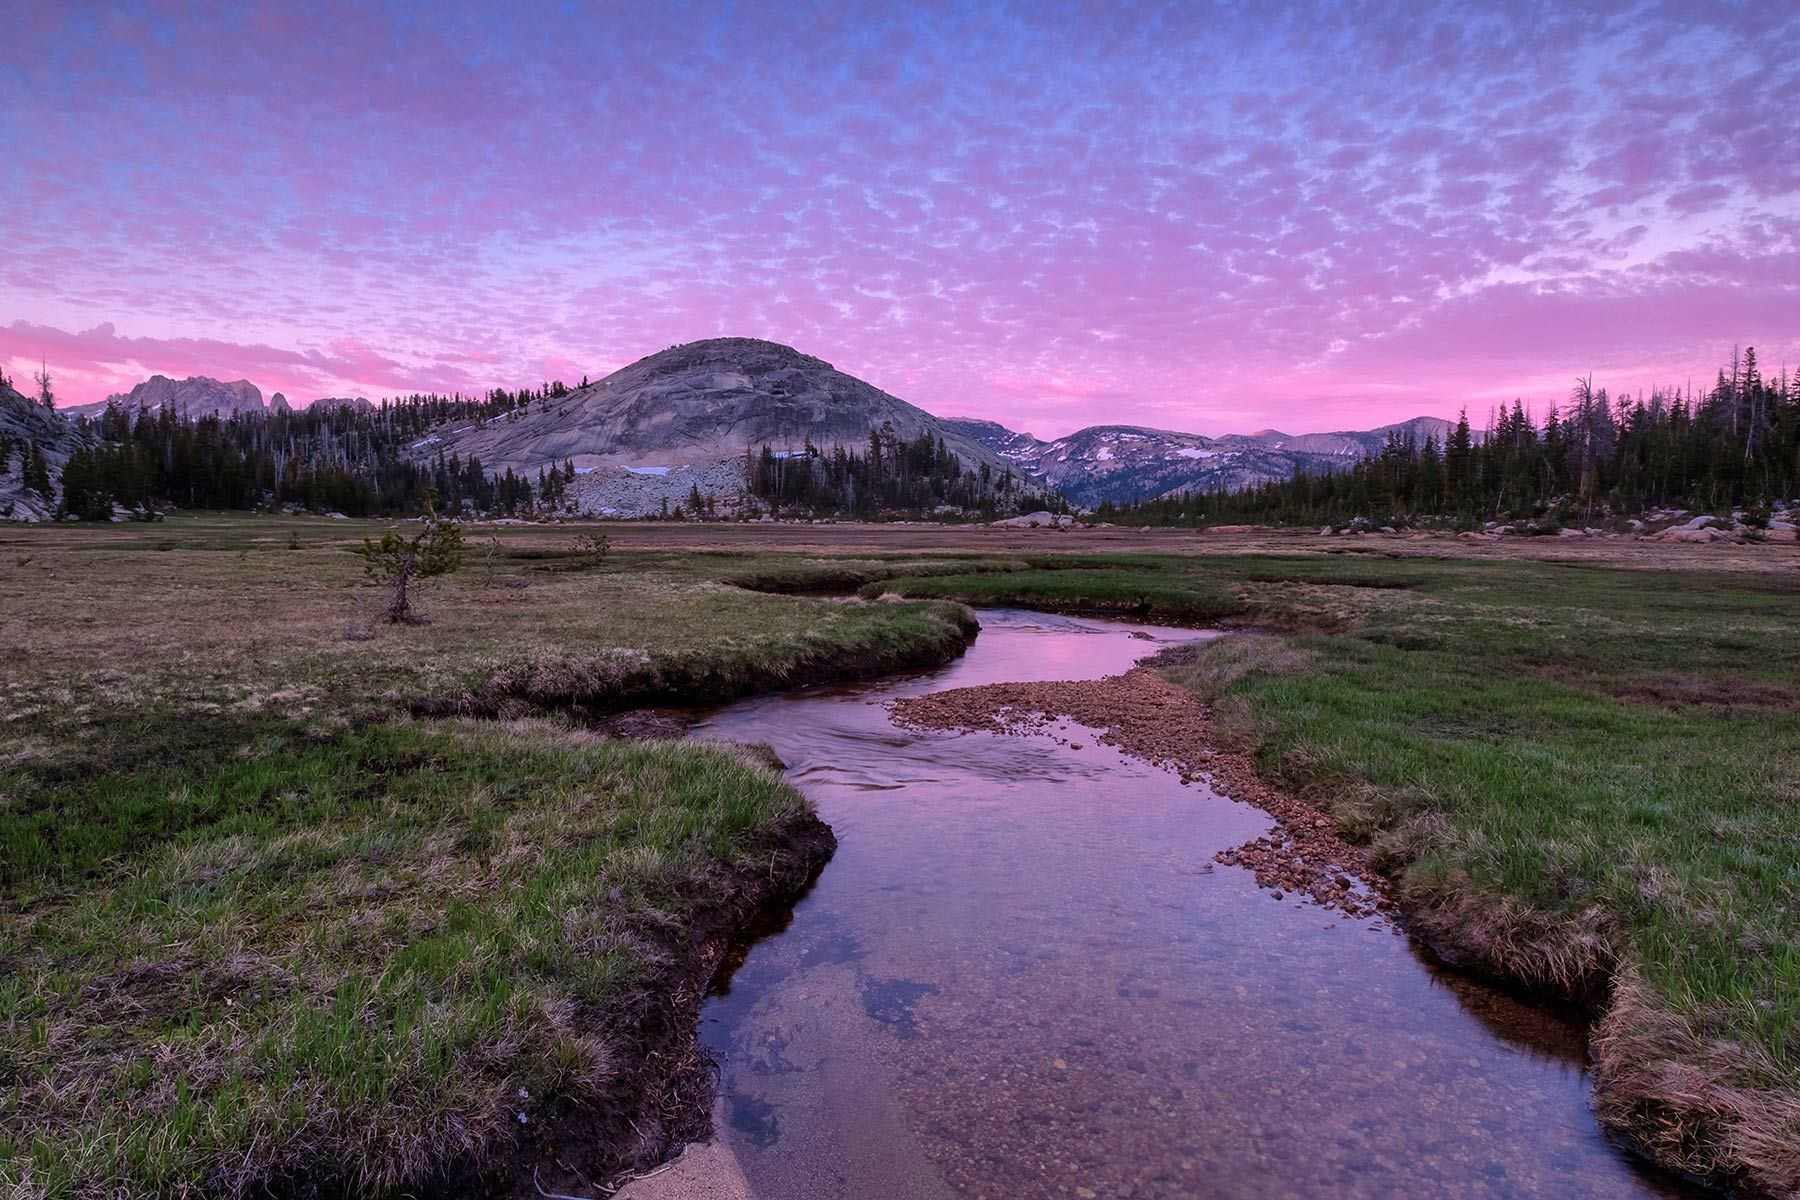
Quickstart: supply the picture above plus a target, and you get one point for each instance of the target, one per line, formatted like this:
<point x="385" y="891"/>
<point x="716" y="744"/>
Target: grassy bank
<point x="266" y="928"/>
<point x="1582" y="778"/>
<point x="384" y="960"/>
<point x="793" y="575"/>
<point x="1313" y="591"/>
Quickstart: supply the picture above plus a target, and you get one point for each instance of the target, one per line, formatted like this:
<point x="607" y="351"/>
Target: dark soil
<point x="660" y="1095"/>
<point x="641" y="725"/>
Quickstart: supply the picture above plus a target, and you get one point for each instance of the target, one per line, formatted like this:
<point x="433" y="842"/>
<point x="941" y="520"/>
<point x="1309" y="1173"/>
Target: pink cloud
<point x="1202" y="218"/>
<point x="93" y="363"/>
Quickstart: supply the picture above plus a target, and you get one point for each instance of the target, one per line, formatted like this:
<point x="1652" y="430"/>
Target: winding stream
<point x="1022" y="976"/>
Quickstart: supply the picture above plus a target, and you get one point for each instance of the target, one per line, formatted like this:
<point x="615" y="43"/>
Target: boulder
<point x="1036" y="520"/>
<point x="1689" y="533"/>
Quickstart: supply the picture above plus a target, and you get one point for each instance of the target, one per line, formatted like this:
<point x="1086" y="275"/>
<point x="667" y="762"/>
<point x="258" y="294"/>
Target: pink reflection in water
<point x="1022" y="976"/>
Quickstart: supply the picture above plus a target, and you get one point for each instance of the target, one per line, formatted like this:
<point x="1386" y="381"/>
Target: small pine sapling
<point x="400" y="561"/>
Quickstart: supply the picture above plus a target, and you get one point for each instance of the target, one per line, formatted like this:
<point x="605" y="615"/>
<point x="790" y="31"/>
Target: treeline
<point x="1735" y="446"/>
<point x="355" y="459"/>
<point x="894" y="475"/>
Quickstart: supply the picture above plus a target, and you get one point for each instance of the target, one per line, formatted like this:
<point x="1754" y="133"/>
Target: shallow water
<point x="1023" y="976"/>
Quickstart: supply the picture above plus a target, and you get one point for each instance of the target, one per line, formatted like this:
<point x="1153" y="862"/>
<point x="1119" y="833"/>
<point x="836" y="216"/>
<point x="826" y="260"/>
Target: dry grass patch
<point x="100" y="620"/>
<point x="1710" y="1107"/>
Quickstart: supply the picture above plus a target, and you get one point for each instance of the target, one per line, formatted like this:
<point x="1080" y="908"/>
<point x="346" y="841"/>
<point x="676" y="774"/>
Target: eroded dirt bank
<point x="593" y="685"/>
<point x="659" y="1091"/>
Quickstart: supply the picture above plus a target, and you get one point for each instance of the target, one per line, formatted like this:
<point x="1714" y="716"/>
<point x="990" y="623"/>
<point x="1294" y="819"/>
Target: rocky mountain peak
<point x="751" y="356"/>
<point x="696" y="405"/>
<point x="195" y="396"/>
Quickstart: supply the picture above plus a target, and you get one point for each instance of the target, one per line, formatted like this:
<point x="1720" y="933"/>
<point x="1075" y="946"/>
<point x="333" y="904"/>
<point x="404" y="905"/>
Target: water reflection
<point x="1022" y="976"/>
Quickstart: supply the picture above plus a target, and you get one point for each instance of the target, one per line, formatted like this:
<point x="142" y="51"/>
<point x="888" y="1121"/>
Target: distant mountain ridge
<point x="1134" y="462"/>
<point x="646" y="435"/>
<point x="200" y="396"/>
<point x="196" y="396"/>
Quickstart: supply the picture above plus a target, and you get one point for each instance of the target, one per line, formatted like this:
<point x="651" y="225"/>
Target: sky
<point x="1211" y="218"/>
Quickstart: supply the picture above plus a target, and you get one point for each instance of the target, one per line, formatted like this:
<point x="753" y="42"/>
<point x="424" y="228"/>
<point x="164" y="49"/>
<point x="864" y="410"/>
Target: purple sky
<point x="1204" y="218"/>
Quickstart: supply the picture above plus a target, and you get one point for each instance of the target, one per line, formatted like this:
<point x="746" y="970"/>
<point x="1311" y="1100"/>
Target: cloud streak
<point x="1193" y="216"/>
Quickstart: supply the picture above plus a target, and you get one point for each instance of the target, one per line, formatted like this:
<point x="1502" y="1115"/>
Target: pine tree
<point x="36" y="471"/>
<point x="400" y="561"/>
<point x="1458" y="455"/>
<point x="86" y="494"/>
